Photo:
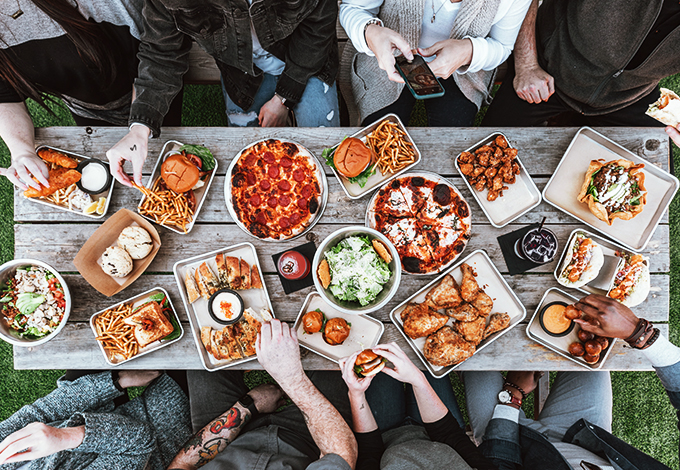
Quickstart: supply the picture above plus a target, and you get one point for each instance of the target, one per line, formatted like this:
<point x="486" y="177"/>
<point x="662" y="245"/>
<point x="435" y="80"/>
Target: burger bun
<point x="368" y="363"/>
<point x="352" y="157"/>
<point x="179" y="173"/>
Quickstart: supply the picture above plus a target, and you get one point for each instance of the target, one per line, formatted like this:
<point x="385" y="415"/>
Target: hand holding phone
<point x="421" y="82"/>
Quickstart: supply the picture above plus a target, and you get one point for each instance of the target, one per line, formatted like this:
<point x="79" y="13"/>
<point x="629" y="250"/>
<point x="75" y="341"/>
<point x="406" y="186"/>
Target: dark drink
<point x="293" y="265"/>
<point x="539" y="247"/>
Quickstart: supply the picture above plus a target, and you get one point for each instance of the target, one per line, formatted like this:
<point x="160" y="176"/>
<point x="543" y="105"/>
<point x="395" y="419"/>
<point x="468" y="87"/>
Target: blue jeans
<point x="394" y="405"/>
<point x="318" y="106"/>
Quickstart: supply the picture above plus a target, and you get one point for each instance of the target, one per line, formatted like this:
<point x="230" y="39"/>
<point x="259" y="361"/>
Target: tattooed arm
<point x="211" y="440"/>
<point x="279" y="353"/>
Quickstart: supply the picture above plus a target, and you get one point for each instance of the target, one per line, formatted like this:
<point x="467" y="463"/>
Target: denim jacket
<point x="512" y="446"/>
<point x="301" y="33"/>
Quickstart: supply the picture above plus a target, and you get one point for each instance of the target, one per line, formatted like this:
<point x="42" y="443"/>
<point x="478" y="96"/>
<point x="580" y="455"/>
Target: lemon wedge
<point x="101" y="205"/>
<point x="91" y="209"/>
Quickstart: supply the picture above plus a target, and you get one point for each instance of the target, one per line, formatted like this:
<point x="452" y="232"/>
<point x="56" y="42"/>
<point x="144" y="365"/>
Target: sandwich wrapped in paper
<point x="614" y="190"/>
<point x="631" y="283"/>
<point x="582" y="262"/>
<point x="666" y="109"/>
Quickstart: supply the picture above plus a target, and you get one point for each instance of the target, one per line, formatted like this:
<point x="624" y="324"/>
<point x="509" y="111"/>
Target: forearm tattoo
<point x="215" y="437"/>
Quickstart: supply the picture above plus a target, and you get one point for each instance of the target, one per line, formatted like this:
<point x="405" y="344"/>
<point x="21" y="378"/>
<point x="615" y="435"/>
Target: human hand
<point x="267" y="397"/>
<point x="383" y="42"/>
<point x="132" y="148"/>
<point x="24" y="168"/>
<point x="674" y="134"/>
<point x="38" y="440"/>
<point x="279" y="352"/>
<point x="526" y="380"/>
<point x="607" y="317"/>
<point x="452" y="54"/>
<point x="404" y="370"/>
<point x="357" y="385"/>
<point x="273" y="113"/>
<point x="137" y="378"/>
<point x="533" y="84"/>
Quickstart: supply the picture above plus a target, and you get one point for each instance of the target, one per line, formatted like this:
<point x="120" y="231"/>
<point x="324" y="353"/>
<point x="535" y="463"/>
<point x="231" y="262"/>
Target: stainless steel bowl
<point x="389" y="289"/>
<point x="8" y="270"/>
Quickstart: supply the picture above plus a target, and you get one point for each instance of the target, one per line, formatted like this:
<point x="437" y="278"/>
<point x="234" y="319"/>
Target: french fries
<point x="165" y="206"/>
<point x="60" y="197"/>
<point x="117" y="338"/>
<point x="391" y="147"/>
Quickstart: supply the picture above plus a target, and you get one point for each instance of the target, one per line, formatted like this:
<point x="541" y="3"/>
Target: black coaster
<point x="515" y="264"/>
<point x="308" y="250"/>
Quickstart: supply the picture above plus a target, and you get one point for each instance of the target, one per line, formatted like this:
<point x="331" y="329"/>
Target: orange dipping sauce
<point x="554" y="320"/>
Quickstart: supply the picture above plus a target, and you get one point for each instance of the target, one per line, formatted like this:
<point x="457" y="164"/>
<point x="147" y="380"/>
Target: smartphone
<point x="419" y="79"/>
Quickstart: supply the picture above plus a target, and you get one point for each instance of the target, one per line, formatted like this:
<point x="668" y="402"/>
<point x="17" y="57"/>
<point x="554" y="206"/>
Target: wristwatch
<point x="506" y="397"/>
<point x="283" y="100"/>
<point x="247" y="401"/>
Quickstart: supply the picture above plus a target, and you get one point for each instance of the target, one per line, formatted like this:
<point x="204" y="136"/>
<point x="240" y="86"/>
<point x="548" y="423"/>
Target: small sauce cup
<point x="226" y="306"/>
<point x="553" y="321"/>
<point x="96" y="177"/>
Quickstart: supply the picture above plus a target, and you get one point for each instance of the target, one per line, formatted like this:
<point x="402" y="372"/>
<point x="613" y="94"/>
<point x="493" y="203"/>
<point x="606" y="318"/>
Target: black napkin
<point x="308" y="250"/>
<point x="515" y="264"/>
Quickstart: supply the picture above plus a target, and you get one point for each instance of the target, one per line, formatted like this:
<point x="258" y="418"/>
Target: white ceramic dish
<point x="488" y="277"/>
<point x="561" y="344"/>
<point x="364" y="333"/>
<point x="138" y="300"/>
<point x="517" y="200"/>
<point x="565" y="185"/>
<point x="197" y="312"/>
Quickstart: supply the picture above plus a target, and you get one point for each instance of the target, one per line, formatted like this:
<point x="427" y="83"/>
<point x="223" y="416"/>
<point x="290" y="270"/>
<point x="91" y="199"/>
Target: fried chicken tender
<point x="464" y="312"/>
<point x="472" y="331"/>
<point x="445" y="294"/>
<point x="422" y="321"/>
<point x="468" y="286"/>
<point x="484" y="303"/>
<point x="497" y="322"/>
<point x="446" y="347"/>
<point x="52" y="156"/>
<point x="59" y="178"/>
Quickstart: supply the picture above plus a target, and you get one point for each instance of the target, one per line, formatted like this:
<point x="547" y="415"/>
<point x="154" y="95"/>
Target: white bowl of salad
<point x="361" y="281"/>
<point x="34" y="302"/>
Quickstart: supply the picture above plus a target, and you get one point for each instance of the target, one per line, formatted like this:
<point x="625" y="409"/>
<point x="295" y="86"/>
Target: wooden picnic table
<point x="55" y="236"/>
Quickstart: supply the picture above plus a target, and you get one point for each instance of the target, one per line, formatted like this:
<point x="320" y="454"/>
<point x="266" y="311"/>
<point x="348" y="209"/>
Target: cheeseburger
<point x="352" y="157"/>
<point x="368" y="363"/>
<point x="336" y="331"/>
<point x="181" y="172"/>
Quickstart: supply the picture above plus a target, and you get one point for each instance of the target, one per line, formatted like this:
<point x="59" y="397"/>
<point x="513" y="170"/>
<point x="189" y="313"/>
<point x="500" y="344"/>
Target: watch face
<point x="504" y="396"/>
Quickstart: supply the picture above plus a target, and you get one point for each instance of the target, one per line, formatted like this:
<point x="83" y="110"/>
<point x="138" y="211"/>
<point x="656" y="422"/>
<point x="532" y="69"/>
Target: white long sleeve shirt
<point x="487" y="53"/>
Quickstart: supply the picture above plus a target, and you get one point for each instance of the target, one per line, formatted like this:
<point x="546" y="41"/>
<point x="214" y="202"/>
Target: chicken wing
<point x="466" y="157"/>
<point x="501" y="142"/>
<point x="468" y="287"/>
<point x="52" y="156"/>
<point x="423" y="321"/>
<point x="446" y="347"/>
<point x="59" y="178"/>
<point x="498" y="322"/>
<point x="472" y="331"/>
<point x="445" y="294"/>
<point x="483" y="302"/>
<point x="464" y="312"/>
<point x="466" y="168"/>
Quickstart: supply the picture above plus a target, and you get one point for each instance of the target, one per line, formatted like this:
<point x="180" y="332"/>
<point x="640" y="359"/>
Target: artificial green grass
<point x="643" y="415"/>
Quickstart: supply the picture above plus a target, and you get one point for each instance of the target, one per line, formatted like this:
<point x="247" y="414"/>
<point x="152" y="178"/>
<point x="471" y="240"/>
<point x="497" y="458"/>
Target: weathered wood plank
<point x="340" y="209"/>
<point x="86" y="300"/>
<point x="540" y="148"/>
<point x="58" y="244"/>
<point x="75" y="347"/>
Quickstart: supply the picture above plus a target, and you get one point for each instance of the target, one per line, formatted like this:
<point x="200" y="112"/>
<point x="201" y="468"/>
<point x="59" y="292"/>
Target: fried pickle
<point x="446" y="347"/>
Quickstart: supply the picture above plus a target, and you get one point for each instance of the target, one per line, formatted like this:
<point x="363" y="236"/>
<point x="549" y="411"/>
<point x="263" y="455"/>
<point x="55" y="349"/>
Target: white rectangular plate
<point x="137" y="301"/>
<point x="364" y="333"/>
<point x="200" y="193"/>
<point x="565" y="185"/>
<point x="561" y="344"/>
<point x="197" y="312"/>
<point x="353" y="190"/>
<point x="517" y="200"/>
<point x="488" y="277"/>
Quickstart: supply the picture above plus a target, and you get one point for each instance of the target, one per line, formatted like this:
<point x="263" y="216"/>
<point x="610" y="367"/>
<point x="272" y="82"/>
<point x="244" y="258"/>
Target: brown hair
<point x="90" y="40"/>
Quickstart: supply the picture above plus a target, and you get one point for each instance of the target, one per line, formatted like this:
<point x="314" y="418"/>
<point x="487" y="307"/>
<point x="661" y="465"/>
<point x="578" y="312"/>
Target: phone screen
<point x="419" y="76"/>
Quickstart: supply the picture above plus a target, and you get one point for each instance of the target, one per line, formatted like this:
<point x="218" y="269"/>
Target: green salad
<point x="357" y="272"/>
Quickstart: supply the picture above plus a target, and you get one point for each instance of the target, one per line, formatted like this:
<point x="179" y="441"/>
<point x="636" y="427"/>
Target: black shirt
<point x="666" y="22"/>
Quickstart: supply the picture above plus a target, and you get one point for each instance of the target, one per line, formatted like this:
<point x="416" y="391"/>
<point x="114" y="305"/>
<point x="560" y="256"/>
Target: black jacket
<point x="301" y="33"/>
<point x="587" y="45"/>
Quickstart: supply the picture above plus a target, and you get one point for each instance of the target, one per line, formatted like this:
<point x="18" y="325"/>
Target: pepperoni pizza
<point x="276" y="189"/>
<point x="425" y="218"/>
